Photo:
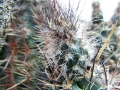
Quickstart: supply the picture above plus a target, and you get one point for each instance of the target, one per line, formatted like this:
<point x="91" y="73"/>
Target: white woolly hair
<point x="59" y="25"/>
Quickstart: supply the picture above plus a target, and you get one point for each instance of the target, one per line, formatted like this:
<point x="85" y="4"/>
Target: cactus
<point x="5" y="17"/>
<point x="44" y="51"/>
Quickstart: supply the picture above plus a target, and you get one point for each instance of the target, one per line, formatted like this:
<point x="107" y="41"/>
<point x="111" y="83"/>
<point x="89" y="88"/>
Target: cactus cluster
<point x="43" y="51"/>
